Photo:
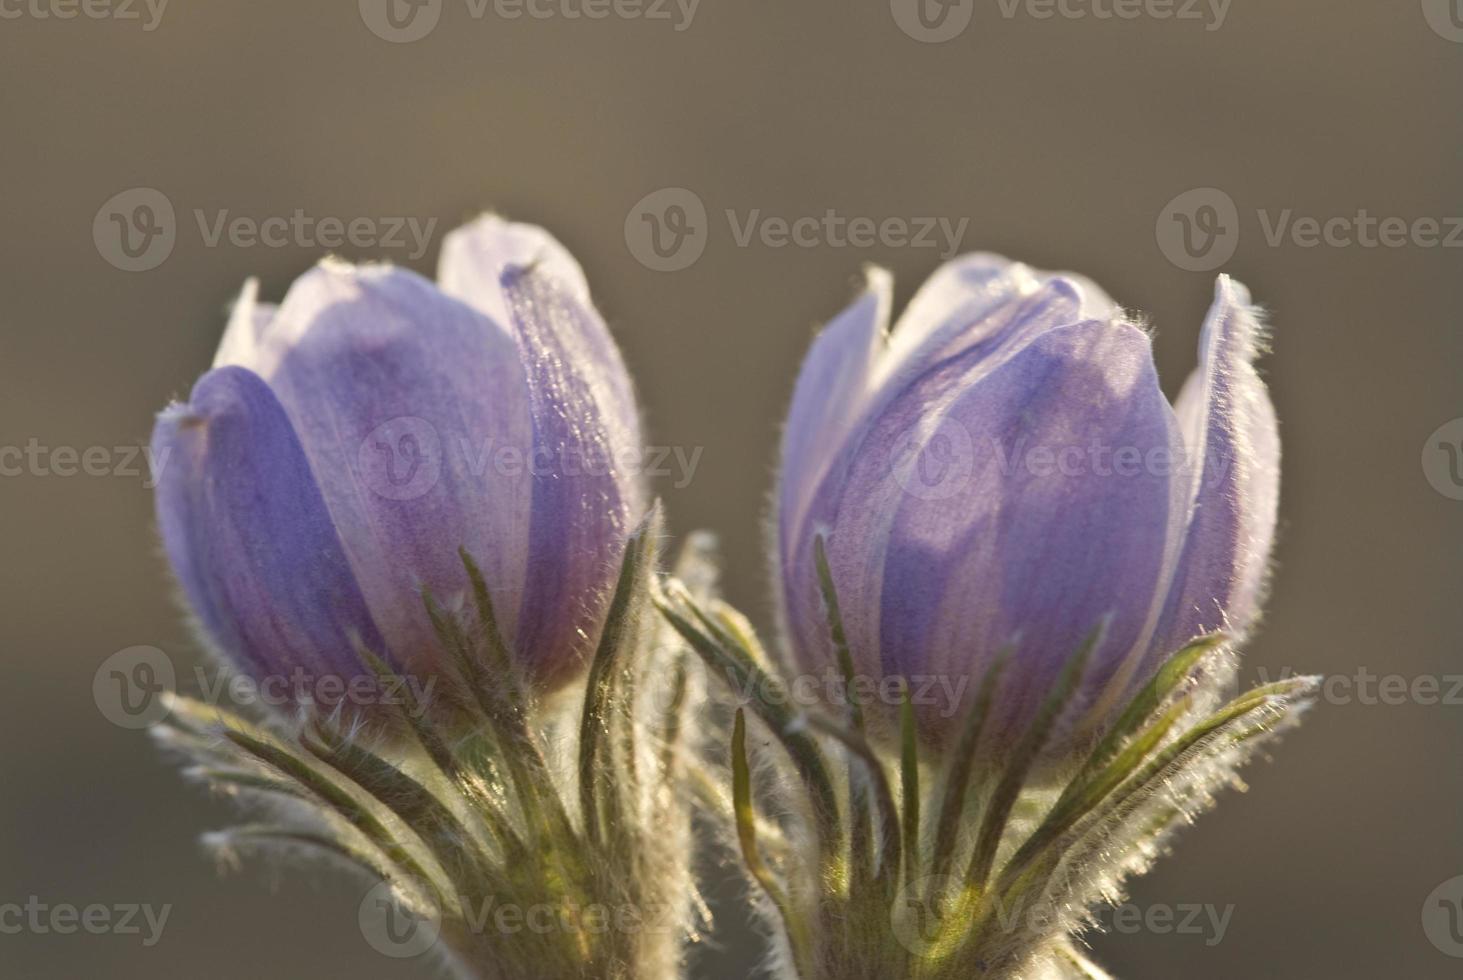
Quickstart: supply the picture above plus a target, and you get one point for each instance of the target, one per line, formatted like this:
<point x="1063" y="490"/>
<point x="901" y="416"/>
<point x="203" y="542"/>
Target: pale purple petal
<point x="475" y="259"/>
<point x="957" y="308"/>
<point x="1012" y="516"/>
<point x="588" y="490"/>
<point x="1230" y="434"/>
<point x="1007" y="328"/>
<point x="413" y="411"/>
<point x="475" y="256"/>
<point x="249" y="536"/>
<point x="243" y="338"/>
<point x="836" y="377"/>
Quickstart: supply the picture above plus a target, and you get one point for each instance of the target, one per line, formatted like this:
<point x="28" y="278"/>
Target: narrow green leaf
<point x="336" y="798"/>
<point x="600" y="685"/>
<point x="672" y="719"/>
<point x="909" y="785"/>
<point x="835" y="629"/>
<point x="1081" y="798"/>
<point x="1018" y="765"/>
<point x="411" y="711"/>
<point x="505" y="672"/>
<point x="1235" y="722"/>
<point x="956" y="781"/>
<point x="860" y="820"/>
<point x="503" y="702"/>
<point x="739" y="633"/>
<point x="890" y="838"/>
<point x="239" y="780"/>
<point x="266" y="835"/>
<point x="415" y="805"/>
<point x="1265" y="699"/>
<point x="746" y="822"/>
<point x="1169" y="676"/>
<point x="746" y="679"/>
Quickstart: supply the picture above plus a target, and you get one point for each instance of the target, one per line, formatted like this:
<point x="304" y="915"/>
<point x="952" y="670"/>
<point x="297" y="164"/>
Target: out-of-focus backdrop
<point x="1313" y="149"/>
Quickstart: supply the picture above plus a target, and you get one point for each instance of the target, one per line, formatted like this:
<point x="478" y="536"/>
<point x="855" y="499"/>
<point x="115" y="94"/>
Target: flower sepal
<point x="481" y="846"/>
<point x="884" y="861"/>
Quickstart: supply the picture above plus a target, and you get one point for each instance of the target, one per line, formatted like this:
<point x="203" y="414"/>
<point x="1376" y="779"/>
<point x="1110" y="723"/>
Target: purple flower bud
<point x="1003" y="470"/>
<point x="348" y="442"/>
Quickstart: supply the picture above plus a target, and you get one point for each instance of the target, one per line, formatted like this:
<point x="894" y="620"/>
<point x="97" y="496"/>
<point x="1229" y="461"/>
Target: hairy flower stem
<point x="488" y="851"/>
<point x="983" y="865"/>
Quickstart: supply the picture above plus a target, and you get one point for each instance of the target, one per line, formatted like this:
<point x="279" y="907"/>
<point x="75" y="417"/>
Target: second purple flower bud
<point x="1001" y="472"/>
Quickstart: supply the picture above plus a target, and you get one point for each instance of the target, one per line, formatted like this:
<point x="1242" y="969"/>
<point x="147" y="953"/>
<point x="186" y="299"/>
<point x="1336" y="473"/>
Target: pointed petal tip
<point x="248" y="294"/>
<point x="175" y="412"/>
<point x="244" y="331"/>
<point x="479" y="254"/>
<point x="1234" y="322"/>
<point x="1230" y="289"/>
<point x="878" y="280"/>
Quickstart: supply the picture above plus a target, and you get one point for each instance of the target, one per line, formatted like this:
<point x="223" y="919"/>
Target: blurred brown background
<point x="1061" y="139"/>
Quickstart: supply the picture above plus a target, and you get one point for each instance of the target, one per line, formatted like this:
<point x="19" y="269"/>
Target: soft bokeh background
<point x="1061" y="140"/>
